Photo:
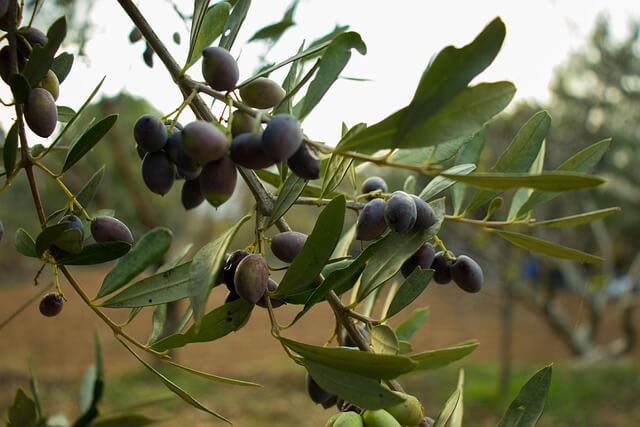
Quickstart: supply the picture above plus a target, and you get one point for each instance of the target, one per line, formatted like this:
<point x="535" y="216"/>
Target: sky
<point x="401" y="38"/>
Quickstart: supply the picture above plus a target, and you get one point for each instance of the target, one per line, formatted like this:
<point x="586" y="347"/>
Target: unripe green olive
<point x="348" y="419"/>
<point x="262" y="93"/>
<point x="409" y="412"/>
<point x="379" y="418"/>
<point x="51" y="84"/>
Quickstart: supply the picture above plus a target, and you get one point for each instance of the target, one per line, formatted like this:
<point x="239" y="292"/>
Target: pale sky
<point x="400" y="36"/>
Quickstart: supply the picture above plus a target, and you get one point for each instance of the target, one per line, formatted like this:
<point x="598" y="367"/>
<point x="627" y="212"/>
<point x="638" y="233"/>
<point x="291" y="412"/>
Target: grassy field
<point x="60" y="349"/>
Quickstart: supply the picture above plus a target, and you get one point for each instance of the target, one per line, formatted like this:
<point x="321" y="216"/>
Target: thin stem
<point x="67" y="192"/>
<point x="114" y="327"/>
<point x="25" y="305"/>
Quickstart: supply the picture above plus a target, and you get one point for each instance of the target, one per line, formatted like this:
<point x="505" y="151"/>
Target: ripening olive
<point x="110" y="229"/>
<point x="371" y="223"/>
<point x="423" y="258"/>
<point x="33" y="37"/>
<point x="51" y="84"/>
<point x="467" y="274"/>
<point x="41" y="112"/>
<point x="374" y="183"/>
<point x="407" y="413"/>
<point x="379" y="418"/>
<point x="282" y="137"/>
<point x="187" y="167"/>
<point x="305" y="163"/>
<point x="262" y="93"/>
<point x="150" y="133"/>
<point x="316" y="393"/>
<point x="51" y="304"/>
<point x="425" y="216"/>
<point x="251" y="278"/>
<point x="230" y="266"/>
<point x="219" y="68"/>
<point x="400" y="212"/>
<point x="191" y="195"/>
<point x="218" y="180"/>
<point x="243" y="123"/>
<point x="442" y="269"/>
<point x="247" y="151"/>
<point x="287" y="245"/>
<point x="204" y="142"/>
<point x="158" y="172"/>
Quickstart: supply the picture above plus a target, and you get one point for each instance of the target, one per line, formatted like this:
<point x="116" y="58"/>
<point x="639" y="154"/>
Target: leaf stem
<point x="67" y="192"/>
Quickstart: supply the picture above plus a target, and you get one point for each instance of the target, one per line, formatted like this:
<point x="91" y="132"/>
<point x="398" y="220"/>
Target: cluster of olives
<point x="402" y="213"/>
<point x="201" y="153"/>
<point x="40" y="110"/>
<point x="103" y="229"/>
<point x="409" y="412"/>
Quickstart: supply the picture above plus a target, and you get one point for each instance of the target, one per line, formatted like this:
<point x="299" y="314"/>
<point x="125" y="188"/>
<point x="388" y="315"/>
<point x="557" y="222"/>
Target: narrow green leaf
<point x="545" y="247"/>
<point x="437" y="358"/>
<point x="273" y="32"/>
<point x="579" y="219"/>
<point x="74" y="118"/>
<point x="449" y="73"/>
<point x="357" y="389"/>
<point x="411" y="289"/>
<point x="377" y="366"/>
<point x="521" y="196"/>
<point x="92" y="388"/>
<point x="65" y="114"/>
<point x="215" y="324"/>
<point x="336" y="170"/>
<point x="439" y="184"/>
<point x="290" y="82"/>
<point x="291" y="190"/>
<point x="432" y="155"/>
<point x="213" y="377"/>
<point x="526" y="409"/>
<point x="458" y="413"/>
<point x="160" y="288"/>
<point x="213" y="23"/>
<point x="10" y="150"/>
<point x="22" y="413"/>
<point x="88" y="191"/>
<point x="25" y="245"/>
<point x="148" y="250"/>
<point x="470" y="153"/>
<point x="233" y="24"/>
<point x="448" y="409"/>
<point x="158" y="319"/>
<point x="204" y="269"/>
<point x="301" y="55"/>
<point x="20" y="88"/>
<point x="333" y="61"/>
<point x="384" y="340"/>
<point x="61" y="65"/>
<point x="317" y="249"/>
<point x="175" y="388"/>
<point x="97" y="253"/>
<point x="465" y="115"/>
<point x="199" y="11"/>
<point x="520" y="155"/>
<point x="582" y="162"/>
<point x="48" y="236"/>
<point x="42" y="57"/>
<point x="411" y="324"/>
<point x="88" y="140"/>
<point x="548" y="181"/>
<point x="394" y="250"/>
<point x="35" y="391"/>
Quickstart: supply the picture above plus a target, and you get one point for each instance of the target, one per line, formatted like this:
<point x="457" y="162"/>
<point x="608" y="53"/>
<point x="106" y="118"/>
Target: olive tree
<point x="260" y="138"/>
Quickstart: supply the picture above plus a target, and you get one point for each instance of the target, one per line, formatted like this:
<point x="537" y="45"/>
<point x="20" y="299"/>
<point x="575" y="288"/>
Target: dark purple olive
<point x="191" y="195"/>
<point x="247" y="151"/>
<point x="442" y="269"/>
<point x="230" y="266"/>
<point x="110" y="229"/>
<point x="371" y="223"/>
<point x="425" y="216"/>
<point x="467" y="274"/>
<point x="287" y="245"/>
<point x="218" y="180"/>
<point x="423" y="258"/>
<point x="219" y="68"/>
<point x="305" y="163"/>
<point x="374" y="183"/>
<point x="282" y="137"/>
<point x="51" y="305"/>
<point x="251" y="278"/>
<point x="150" y="133"/>
<point x="158" y="172"/>
<point x="400" y="212"/>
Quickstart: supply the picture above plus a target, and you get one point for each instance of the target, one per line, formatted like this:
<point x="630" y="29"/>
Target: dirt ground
<point x="60" y="348"/>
